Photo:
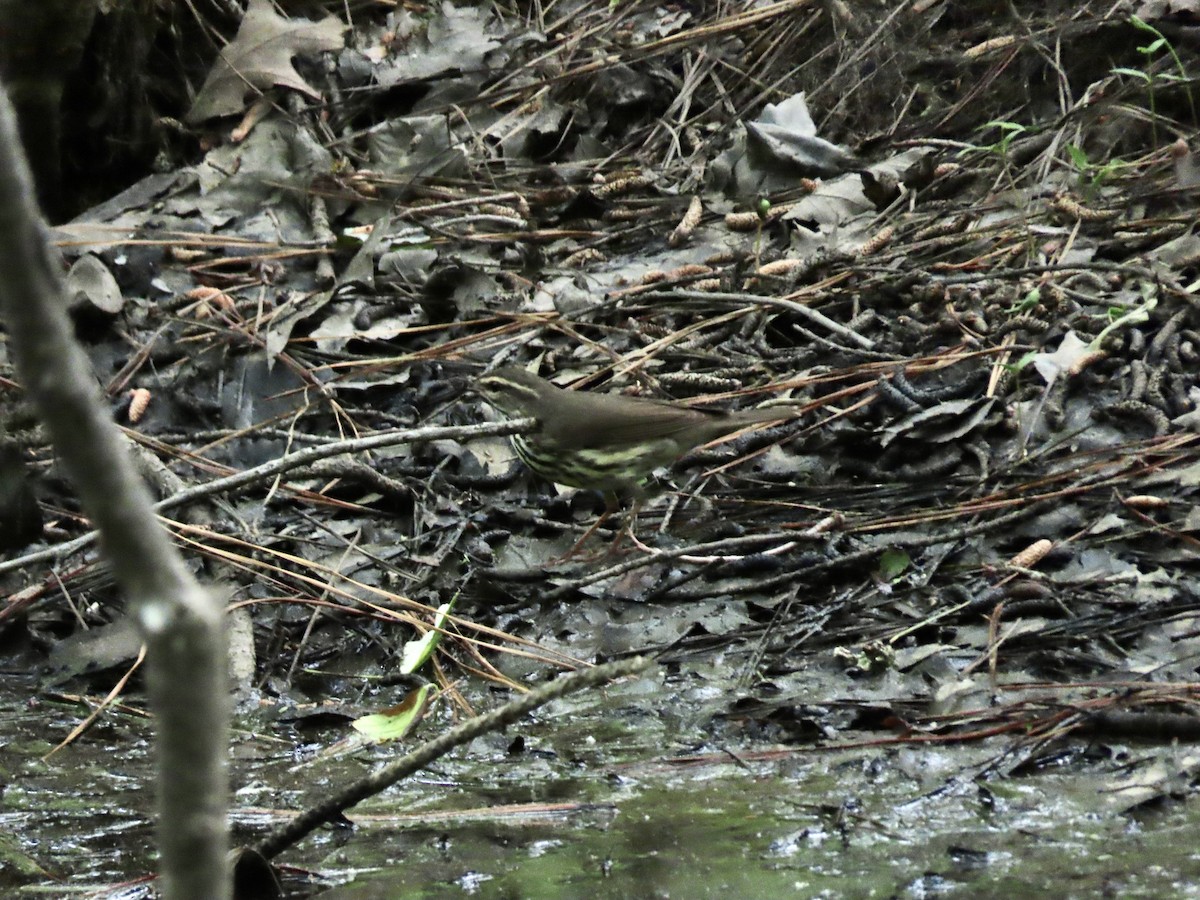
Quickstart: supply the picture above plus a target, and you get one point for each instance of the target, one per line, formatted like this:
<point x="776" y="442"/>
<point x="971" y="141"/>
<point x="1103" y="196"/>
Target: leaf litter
<point x="975" y="296"/>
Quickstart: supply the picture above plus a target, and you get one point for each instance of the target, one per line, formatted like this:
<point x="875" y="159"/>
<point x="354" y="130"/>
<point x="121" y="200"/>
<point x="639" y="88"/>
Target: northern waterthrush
<point x="604" y="442"/>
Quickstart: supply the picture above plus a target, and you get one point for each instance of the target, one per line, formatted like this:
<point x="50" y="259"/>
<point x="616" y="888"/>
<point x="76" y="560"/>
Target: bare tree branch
<point x="181" y="622"/>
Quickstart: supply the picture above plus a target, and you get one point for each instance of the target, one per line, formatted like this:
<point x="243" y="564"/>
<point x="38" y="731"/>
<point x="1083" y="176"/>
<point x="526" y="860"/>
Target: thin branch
<point x="181" y="622"/>
<point x="421" y="757"/>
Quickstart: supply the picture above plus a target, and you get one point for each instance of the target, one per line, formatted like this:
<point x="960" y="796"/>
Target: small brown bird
<point x="604" y="442"/>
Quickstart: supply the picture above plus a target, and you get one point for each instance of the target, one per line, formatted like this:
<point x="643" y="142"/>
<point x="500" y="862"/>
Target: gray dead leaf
<point x="257" y="391"/>
<point x="408" y="264"/>
<point x="956" y="696"/>
<point x="1171" y="773"/>
<point x="521" y="133"/>
<point x="775" y="150"/>
<point x="942" y="423"/>
<point x="296" y="311"/>
<point x="1109" y="524"/>
<point x="257" y="182"/>
<point x="1187" y="170"/>
<point x="1190" y="420"/>
<point x="1188" y="476"/>
<point x="565" y="294"/>
<point x="839" y="211"/>
<point x="1070" y="351"/>
<point x="416" y="145"/>
<point x="91" y="283"/>
<point x="337" y="328"/>
<point x="784" y="138"/>
<point x="1092" y="565"/>
<point x="1177" y="252"/>
<point x="260" y="57"/>
<point x="909" y="657"/>
<point x="457" y="40"/>
<point x="495" y="455"/>
<point x="1155" y="10"/>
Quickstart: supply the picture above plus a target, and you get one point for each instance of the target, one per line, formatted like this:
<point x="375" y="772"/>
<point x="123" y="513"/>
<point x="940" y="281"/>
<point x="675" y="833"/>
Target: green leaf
<point x="1022" y="362"/>
<point x="1010" y="127"/>
<point x="1078" y="158"/>
<point x="893" y="564"/>
<point x="416" y="653"/>
<point x="397" y="721"/>
<point x="1133" y="73"/>
<point x="1122" y="316"/>
<point x="1028" y="302"/>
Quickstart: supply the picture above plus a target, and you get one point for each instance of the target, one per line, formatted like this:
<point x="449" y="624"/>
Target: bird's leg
<point x="611" y="504"/>
<point x="638" y="495"/>
<point x="627" y="528"/>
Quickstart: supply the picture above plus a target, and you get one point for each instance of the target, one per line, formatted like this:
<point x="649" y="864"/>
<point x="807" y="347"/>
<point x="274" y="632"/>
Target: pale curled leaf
<point x="417" y="652"/>
<point x="90" y="282"/>
<point x="786" y="135"/>
<point x="1048" y="365"/>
